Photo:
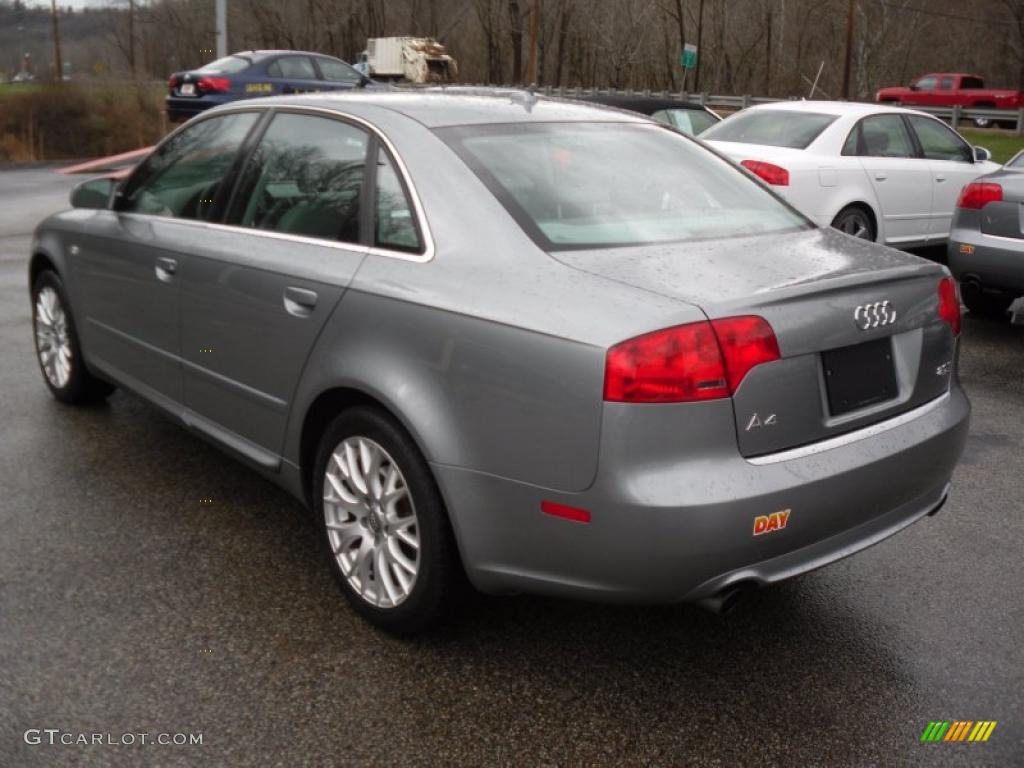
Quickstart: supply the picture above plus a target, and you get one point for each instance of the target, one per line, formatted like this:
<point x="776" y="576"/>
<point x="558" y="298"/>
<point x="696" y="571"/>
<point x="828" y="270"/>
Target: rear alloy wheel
<point x="854" y="220"/>
<point x="384" y="524"/>
<point x="57" y="347"/>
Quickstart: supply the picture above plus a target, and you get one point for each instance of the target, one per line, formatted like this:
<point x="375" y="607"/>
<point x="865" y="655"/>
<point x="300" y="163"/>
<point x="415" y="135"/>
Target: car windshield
<point x="227" y="65"/>
<point x="772" y="128"/>
<point x="587" y="185"/>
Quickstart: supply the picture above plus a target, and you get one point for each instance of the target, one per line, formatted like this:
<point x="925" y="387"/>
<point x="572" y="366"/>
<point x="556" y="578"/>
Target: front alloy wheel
<point x="371" y="522"/>
<point x="53" y="344"/>
<point x="58" y="349"/>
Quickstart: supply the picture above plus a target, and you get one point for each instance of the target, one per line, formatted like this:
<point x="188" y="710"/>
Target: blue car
<point x="257" y="73"/>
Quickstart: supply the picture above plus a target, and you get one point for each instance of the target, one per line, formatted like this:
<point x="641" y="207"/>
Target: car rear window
<point x="591" y="185"/>
<point x="228" y="65"/>
<point x="772" y="128"/>
<point x="689" y="121"/>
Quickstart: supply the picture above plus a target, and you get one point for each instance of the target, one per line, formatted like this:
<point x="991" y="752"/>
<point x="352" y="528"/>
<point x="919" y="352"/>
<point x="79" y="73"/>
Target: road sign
<point x="689" y="56"/>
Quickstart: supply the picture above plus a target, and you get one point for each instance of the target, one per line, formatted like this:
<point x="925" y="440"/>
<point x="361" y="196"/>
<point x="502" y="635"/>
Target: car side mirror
<point x="981" y="155"/>
<point x="94" y="193"/>
<point x="914" y="87"/>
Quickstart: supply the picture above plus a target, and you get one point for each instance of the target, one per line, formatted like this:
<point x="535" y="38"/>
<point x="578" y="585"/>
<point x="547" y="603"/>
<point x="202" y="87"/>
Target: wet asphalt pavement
<point x="128" y="606"/>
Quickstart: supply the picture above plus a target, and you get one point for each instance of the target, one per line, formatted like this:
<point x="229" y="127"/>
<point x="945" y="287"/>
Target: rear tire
<point x="980" y="302"/>
<point x="58" y="349"/>
<point x="383" y="524"/>
<point x="853" y="220"/>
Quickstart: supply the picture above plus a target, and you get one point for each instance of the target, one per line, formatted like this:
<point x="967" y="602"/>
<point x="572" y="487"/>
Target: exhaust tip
<point x="725" y="600"/>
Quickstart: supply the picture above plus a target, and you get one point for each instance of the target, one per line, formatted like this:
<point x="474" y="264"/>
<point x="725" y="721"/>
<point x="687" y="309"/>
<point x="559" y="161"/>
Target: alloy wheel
<point x="53" y="341"/>
<point x="855" y="224"/>
<point x="371" y="522"/>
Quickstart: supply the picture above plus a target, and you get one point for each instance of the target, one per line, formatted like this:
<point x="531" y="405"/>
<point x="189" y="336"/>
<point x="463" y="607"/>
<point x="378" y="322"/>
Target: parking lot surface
<point x="128" y="604"/>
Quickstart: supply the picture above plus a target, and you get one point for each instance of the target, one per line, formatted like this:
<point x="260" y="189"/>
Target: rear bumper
<point x="680" y="528"/>
<point x="996" y="262"/>
<point x="184" y="108"/>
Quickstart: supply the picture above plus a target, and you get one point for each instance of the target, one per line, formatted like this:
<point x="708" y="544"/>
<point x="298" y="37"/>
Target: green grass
<point x="1002" y="144"/>
<point x="9" y="89"/>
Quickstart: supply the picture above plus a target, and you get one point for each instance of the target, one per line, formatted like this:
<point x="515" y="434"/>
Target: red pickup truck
<point x="946" y="89"/>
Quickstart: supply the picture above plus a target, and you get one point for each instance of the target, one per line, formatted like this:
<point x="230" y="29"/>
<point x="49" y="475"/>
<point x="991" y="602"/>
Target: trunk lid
<point x="835" y="374"/>
<point x="1006" y="217"/>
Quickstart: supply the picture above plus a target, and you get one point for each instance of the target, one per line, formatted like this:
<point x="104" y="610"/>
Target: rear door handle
<point x="880" y="177"/>
<point x="940" y="179"/>
<point x="299" y="301"/>
<point x="165" y="269"/>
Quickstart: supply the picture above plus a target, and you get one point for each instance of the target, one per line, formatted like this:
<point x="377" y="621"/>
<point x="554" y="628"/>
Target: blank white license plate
<point x="187" y="89"/>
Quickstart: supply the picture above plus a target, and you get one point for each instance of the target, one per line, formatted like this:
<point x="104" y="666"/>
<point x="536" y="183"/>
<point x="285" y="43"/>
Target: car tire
<point x="980" y="302"/>
<point x="374" y="496"/>
<point x="58" y="348"/>
<point x="853" y="220"/>
<point x="982" y="122"/>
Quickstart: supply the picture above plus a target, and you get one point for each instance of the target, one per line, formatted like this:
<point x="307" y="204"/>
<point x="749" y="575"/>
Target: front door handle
<point x="940" y="179"/>
<point x="299" y="301"/>
<point x="165" y="269"/>
<point x="880" y="177"/>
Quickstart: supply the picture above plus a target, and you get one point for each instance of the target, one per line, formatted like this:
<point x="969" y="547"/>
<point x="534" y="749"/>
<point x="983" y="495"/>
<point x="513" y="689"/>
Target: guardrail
<point x="953" y="115"/>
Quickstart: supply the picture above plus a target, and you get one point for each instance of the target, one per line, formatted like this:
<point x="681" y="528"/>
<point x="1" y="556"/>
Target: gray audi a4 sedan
<point x="986" y="244"/>
<point x="546" y="346"/>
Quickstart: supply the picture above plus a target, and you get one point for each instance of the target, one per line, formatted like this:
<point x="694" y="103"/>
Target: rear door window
<point x="335" y="71"/>
<point x="880" y="136"/>
<point x="183" y="177"/>
<point x="292" y="68"/>
<point x="305" y="177"/>
<point x="394" y="221"/>
<point x="939" y="142"/>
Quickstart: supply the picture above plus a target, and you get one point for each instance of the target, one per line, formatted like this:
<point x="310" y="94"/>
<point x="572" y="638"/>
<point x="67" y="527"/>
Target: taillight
<point x="769" y="172"/>
<point x="214" y="84"/>
<point x="978" y="193"/>
<point x="172" y="83"/>
<point x="949" y="304"/>
<point x="698" y="361"/>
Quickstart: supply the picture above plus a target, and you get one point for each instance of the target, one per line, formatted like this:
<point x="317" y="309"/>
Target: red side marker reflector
<point x="561" y="510"/>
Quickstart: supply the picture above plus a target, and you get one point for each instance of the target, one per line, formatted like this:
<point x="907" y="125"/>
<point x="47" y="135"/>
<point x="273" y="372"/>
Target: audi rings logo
<point x="874" y="315"/>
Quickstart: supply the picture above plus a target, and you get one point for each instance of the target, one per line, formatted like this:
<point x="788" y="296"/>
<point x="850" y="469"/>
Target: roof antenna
<point x="526" y="97"/>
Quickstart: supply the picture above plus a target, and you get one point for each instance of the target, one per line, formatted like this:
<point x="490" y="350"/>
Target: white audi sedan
<point x="871" y="170"/>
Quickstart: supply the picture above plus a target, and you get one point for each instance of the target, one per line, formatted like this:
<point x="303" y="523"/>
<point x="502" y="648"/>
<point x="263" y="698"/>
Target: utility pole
<point x="131" y="37"/>
<point x="700" y="51"/>
<point x="849" y="51"/>
<point x="222" y="28"/>
<point x="56" y="42"/>
<point x="531" y="70"/>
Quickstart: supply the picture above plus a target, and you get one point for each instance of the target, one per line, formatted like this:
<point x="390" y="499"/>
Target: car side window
<point x="946" y="84"/>
<point x="939" y="142"/>
<point x="292" y="68"/>
<point x="182" y="178"/>
<point x="971" y="83"/>
<point x="925" y="84"/>
<point x="394" y="221"/>
<point x="883" y="136"/>
<point x="305" y="177"/>
<point x="335" y="71"/>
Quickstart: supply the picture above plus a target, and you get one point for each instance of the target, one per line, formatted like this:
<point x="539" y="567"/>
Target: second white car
<point x="874" y="171"/>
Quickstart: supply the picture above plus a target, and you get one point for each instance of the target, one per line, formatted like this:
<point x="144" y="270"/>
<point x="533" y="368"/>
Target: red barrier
<point x="113" y="162"/>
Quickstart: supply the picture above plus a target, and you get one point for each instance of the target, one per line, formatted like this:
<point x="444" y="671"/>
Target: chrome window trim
<point x="851" y="437"/>
<point x="428" y="238"/>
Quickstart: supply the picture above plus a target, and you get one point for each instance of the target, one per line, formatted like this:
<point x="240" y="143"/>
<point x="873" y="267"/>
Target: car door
<point x="952" y="165"/>
<point x="294" y="73"/>
<point x="337" y="75"/>
<point x="900" y="178"/>
<point x="258" y="291"/>
<point x="128" y="267"/>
